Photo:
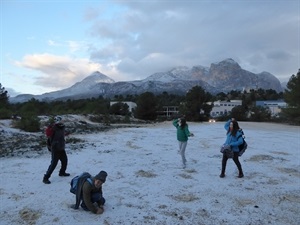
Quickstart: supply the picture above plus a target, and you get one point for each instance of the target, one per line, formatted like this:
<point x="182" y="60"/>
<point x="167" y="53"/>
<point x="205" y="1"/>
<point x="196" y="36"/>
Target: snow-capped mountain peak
<point x="177" y="73"/>
<point x="224" y="76"/>
<point x="97" y="77"/>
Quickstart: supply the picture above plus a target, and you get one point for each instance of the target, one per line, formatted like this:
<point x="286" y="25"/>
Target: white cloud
<point x="129" y="40"/>
<point x="200" y="33"/>
<point x="58" y="71"/>
<point x="52" y="43"/>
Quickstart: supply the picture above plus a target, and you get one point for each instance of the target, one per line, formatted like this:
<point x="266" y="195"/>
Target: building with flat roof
<point x="222" y="108"/>
<point x="168" y="111"/>
<point x="275" y="106"/>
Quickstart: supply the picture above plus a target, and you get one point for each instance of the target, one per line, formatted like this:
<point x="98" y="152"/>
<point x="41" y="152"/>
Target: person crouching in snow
<point x="92" y="193"/>
<point x="182" y="136"/>
<point x="233" y="139"/>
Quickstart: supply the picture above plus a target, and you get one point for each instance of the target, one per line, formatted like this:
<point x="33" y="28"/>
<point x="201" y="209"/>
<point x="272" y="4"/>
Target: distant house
<point x="168" y="111"/>
<point x="131" y="105"/>
<point x="275" y="106"/>
<point x="222" y="108"/>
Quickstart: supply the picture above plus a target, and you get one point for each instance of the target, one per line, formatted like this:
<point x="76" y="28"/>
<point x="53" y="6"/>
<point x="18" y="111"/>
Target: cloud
<point x="52" y="43"/>
<point x="91" y="13"/>
<point x="129" y="40"/>
<point x="198" y="33"/>
<point x="58" y="71"/>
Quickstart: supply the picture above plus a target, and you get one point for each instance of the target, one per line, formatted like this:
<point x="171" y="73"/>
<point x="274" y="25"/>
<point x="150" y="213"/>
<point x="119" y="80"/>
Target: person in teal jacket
<point x="182" y="136"/>
<point x="234" y="139"/>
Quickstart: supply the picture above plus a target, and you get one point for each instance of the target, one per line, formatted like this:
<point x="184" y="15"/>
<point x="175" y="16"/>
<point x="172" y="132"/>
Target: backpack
<point x="49" y="133"/>
<point x="77" y="179"/>
<point x="244" y="145"/>
<point x="49" y="130"/>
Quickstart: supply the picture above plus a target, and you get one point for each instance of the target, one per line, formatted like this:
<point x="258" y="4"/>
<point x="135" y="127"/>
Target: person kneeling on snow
<point x="92" y="193"/>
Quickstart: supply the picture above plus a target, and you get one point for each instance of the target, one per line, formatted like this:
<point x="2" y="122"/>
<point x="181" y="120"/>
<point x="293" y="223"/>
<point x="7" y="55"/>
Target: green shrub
<point x="5" y="113"/>
<point x="29" y="123"/>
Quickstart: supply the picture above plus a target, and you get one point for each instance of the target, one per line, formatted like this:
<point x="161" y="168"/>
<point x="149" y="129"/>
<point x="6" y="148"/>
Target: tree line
<point x="193" y="105"/>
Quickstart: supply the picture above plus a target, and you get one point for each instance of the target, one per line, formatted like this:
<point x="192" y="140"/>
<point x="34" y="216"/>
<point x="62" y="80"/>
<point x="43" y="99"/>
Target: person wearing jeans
<point x="233" y="139"/>
<point x="58" y="152"/>
<point x="182" y="136"/>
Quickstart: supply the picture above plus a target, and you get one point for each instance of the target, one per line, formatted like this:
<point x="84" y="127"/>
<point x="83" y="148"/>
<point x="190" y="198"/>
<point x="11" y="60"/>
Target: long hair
<point x="183" y="123"/>
<point x="235" y="128"/>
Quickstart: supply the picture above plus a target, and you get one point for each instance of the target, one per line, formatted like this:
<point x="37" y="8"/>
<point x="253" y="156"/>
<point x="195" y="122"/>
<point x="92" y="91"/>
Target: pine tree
<point x="5" y="112"/>
<point x="292" y="98"/>
<point x="146" y="106"/>
<point x="292" y="93"/>
<point x="3" y="96"/>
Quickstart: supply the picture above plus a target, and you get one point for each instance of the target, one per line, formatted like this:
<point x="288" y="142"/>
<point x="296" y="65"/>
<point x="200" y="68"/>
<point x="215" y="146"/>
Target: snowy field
<point x="146" y="184"/>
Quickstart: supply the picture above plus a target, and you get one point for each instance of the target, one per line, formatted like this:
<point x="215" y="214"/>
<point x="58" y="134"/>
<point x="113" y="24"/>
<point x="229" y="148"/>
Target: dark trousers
<point x="235" y="159"/>
<point x="55" y="156"/>
<point x="96" y="197"/>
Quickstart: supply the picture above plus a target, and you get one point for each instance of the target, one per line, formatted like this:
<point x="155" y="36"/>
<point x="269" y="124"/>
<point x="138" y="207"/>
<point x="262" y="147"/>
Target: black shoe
<point x="240" y="175"/>
<point x="64" y="174"/>
<point x="84" y="207"/>
<point x="222" y="175"/>
<point x="46" y="181"/>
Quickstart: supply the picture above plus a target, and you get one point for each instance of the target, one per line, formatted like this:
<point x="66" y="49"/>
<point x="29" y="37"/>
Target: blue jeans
<point x="182" y="147"/>
<point x="55" y="157"/>
<point x="96" y="197"/>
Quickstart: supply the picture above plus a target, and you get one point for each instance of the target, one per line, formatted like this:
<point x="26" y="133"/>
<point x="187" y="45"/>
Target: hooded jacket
<point x="58" y="137"/>
<point x="233" y="141"/>
<point x="87" y="190"/>
<point x="182" y="133"/>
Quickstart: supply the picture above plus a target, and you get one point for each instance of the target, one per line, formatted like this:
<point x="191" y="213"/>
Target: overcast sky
<point x="50" y="45"/>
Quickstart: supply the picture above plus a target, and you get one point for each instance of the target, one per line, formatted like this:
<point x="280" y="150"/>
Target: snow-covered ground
<point x="146" y="184"/>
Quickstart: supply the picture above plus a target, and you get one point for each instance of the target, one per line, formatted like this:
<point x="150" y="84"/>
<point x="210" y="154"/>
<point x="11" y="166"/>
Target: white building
<point x="274" y="106"/>
<point x="168" y="111"/>
<point x="222" y="108"/>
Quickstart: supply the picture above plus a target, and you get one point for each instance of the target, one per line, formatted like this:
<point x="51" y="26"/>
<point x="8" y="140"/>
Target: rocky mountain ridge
<point x="223" y="76"/>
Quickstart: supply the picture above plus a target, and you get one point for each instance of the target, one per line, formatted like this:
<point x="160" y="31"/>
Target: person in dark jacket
<point x="58" y="152"/>
<point x="233" y="139"/>
<point x="182" y="136"/>
<point x="92" y="195"/>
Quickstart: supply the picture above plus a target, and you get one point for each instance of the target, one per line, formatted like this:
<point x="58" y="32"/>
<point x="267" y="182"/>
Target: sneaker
<point x="222" y="175"/>
<point x="64" y="174"/>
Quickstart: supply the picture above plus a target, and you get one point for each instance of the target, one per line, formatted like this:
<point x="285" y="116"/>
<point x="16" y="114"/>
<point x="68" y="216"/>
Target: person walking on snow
<point x="57" y="150"/>
<point x="233" y="139"/>
<point x="182" y="136"/>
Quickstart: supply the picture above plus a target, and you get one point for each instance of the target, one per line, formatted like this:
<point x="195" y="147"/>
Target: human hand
<point x="232" y="119"/>
<point x="100" y="210"/>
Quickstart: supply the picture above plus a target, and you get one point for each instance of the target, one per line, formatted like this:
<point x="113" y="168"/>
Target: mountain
<point x="79" y="90"/>
<point x="222" y="76"/>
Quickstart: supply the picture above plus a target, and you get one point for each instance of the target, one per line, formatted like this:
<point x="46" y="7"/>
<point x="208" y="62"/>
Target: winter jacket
<point x="87" y="191"/>
<point x="233" y="141"/>
<point x="58" y="138"/>
<point x="182" y="133"/>
<point x="80" y="183"/>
